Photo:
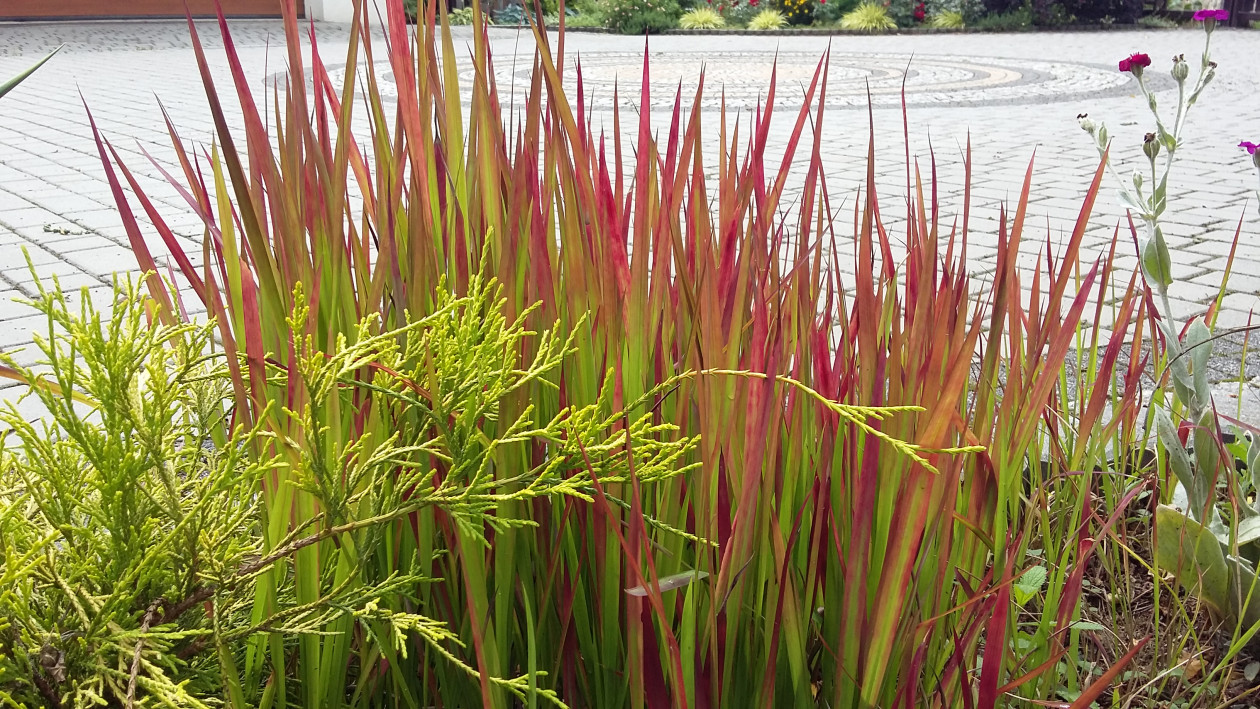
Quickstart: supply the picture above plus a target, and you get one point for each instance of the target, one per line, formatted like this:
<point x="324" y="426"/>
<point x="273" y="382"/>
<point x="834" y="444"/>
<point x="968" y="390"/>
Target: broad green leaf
<point x="1193" y="555"/>
<point x="1249" y="530"/>
<point x="1178" y="459"/>
<point x="1156" y="260"/>
<point x="1199" y="347"/>
<point x="1029" y="584"/>
<point x="1207" y="457"/>
<point x="1197" y="559"/>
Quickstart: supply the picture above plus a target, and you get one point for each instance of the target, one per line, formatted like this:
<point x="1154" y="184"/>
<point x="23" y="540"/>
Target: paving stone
<point x="1229" y="318"/>
<point x="68" y="276"/>
<point x="10" y="307"/>
<point x="1187" y="255"/>
<point x="17" y="331"/>
<point x="76" y="241"/>
<point x="16" y="256"/>
<point x="103" y="261"/>
<point x="1180" y="271"/>
<point x="27" y="216"/>
<point x="1242" y="301"/>
<point x="1183" y="310"/>
<point x="1246" y="282"/>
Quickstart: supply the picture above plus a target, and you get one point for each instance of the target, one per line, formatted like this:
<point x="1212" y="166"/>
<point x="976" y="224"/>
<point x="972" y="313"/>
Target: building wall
<point x="332" y="10"/>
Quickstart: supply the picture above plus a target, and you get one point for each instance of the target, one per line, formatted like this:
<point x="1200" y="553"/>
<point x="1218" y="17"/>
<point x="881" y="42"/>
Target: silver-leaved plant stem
<point x="1255" y="159"/>
<point x="1215" y="560"/>
<point x="1187" y="359"/>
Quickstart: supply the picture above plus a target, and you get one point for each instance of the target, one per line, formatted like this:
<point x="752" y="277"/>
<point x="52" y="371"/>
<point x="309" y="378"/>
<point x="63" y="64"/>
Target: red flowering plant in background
<point x="797" y="12"/>
<point x="737" y="13"/>
<point x="1135" y="63"/>
<point x="1209" y="18"/>
<point x="907" y="13"/>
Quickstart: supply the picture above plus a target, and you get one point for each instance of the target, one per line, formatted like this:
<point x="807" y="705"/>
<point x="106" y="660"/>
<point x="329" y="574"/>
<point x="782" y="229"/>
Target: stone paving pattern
<point x="1013" y="95"/>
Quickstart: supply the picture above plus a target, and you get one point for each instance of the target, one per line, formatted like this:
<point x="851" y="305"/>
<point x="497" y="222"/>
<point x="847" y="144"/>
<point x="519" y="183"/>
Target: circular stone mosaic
<point x="742" y="79"/>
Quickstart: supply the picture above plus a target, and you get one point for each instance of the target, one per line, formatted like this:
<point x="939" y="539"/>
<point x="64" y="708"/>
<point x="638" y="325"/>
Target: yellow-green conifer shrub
<point x="135" y="563"/>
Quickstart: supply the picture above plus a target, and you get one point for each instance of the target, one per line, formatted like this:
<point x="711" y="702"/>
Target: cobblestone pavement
<point x="1013" y="95"/>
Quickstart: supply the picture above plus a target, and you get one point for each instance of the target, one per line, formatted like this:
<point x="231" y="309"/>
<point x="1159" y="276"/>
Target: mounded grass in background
<point x="701" y="18"/>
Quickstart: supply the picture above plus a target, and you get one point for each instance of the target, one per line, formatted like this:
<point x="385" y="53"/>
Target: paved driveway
<point x="1013" y="94"/>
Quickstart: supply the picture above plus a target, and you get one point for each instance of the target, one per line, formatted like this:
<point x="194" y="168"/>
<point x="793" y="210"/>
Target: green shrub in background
<point x="1158" y="22"/>
<point x="641" y="16"/>
<point x="456" y="16"/>
<point x="969" y="9"/>
<point x="736" y="13"/>
<point x="1123" y="11"/>
<point x="464" y="16"/>
<point x="906" y="13"/>
<point x="828" y="14"/>
<point x="584" y="13"/>
<point x="1059" y="12"/>
<point x="511" y="15"/>
<point x="581" y="19"/>
<point x="1017" y="19"/>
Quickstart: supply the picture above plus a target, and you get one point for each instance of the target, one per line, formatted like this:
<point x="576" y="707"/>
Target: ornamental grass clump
<point x="728" y="477"/>
<point x="701" y="18"/>
<point x="768" y="20"/>
<point x="948" y="20"/>
<point x="868" y="17"/>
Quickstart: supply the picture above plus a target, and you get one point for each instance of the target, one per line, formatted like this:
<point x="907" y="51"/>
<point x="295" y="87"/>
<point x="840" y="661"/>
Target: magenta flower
<point x="1135" y="63"/>
<point x="1251" y="148"/>
<point x="1205" y="15"/>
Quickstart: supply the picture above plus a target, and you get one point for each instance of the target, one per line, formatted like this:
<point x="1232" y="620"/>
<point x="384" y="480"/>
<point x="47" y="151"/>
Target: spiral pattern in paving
<point x="743" y="79"/>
